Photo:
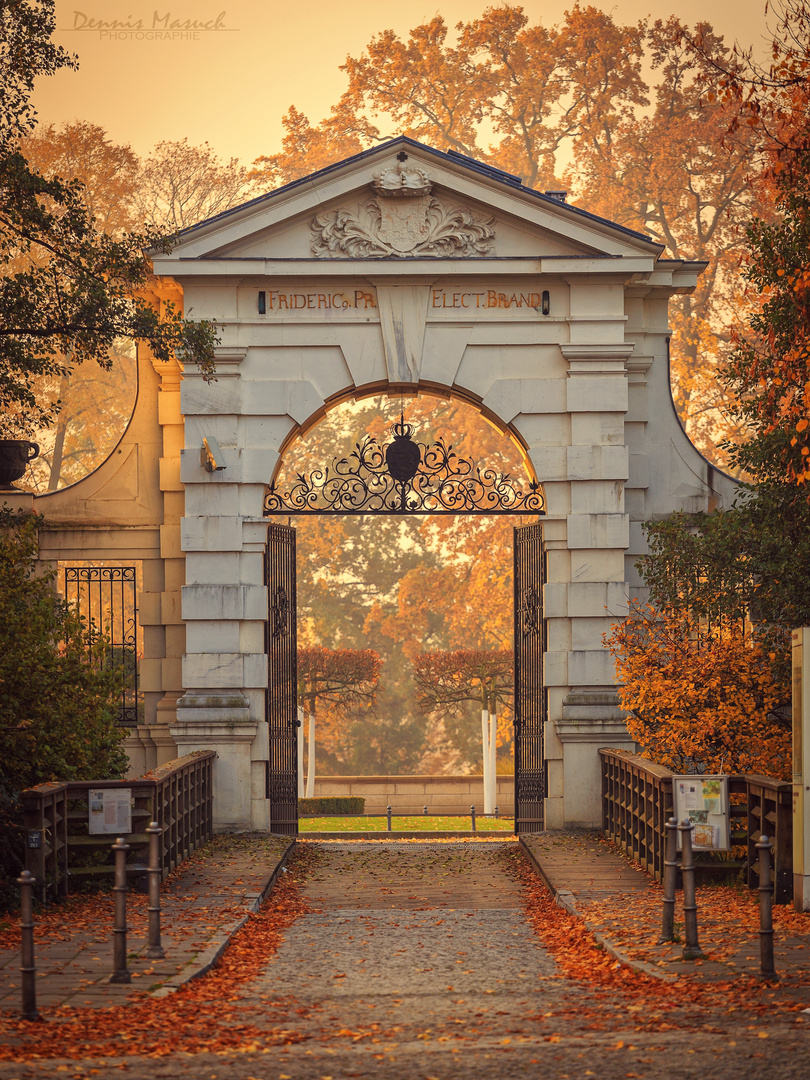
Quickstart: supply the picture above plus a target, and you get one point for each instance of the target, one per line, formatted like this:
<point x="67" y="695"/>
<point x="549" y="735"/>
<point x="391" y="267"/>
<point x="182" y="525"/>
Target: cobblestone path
<point x="417" y="962"/>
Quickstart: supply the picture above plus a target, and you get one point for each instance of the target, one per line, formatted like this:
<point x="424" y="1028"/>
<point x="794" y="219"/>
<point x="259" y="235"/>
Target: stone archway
<point x="553" y="321"/>
<point x="399" y="478"/>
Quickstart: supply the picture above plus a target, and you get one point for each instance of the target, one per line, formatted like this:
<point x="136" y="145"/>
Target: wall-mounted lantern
<point x="211" y="455"/>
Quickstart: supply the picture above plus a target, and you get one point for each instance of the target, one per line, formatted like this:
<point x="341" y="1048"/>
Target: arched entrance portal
<point x="404" y="477"/>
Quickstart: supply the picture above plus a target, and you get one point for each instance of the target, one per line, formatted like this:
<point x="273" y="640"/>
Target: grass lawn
<point x="403" y="824"/>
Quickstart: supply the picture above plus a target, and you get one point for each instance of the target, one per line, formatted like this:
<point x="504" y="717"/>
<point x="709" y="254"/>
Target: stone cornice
<point x="615" y="351"/>
<point x="227" y="360"/>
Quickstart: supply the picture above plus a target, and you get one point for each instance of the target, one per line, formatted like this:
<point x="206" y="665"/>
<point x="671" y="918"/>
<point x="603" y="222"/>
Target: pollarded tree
<point x="447" y="682"/>
<point x="337" y="683"/>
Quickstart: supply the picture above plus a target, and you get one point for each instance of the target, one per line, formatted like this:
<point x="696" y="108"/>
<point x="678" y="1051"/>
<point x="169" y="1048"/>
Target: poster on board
<point x="703" y="800"/>
<point x="110" y="811"/>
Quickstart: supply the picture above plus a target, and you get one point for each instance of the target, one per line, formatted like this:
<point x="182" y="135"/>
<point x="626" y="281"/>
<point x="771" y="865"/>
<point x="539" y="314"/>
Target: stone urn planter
<point x="14" y="457"/>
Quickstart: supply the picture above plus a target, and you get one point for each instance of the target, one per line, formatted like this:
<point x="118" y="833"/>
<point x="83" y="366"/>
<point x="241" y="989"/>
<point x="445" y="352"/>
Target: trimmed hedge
<point x="331" y="806"/>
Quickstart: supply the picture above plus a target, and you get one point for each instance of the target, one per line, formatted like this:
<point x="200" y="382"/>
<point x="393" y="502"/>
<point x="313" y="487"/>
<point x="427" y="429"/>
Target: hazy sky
<point x="230" y="85"/>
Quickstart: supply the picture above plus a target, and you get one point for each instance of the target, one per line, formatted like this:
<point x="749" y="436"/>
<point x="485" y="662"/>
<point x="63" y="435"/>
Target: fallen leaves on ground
<point x="580" y="956"/>
<point x="173" y="1024"/>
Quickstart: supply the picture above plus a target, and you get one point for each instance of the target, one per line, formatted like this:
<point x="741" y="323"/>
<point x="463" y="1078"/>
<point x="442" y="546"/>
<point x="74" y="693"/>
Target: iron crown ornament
<point x="402" y="456"/>
<point x="404" y="477"/>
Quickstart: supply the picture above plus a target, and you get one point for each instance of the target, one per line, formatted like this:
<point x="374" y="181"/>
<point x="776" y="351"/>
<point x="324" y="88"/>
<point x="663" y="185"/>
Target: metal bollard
<point x="766" y="965"/>
<point x="472" y="817"/>
<point x="155" y="949"/>
<point x="670" y="873"/>
<point x="424" y="810"/>
<point x="29" y="972"/>
<point x="120" y="974"/>
<point x="388" y="812"/>
<point x="691" y="949"/>
<point x="495" y="815"/>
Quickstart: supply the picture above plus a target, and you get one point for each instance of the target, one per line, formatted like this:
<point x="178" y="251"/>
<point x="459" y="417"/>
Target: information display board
<point x="703" y="800"/>
<point x="110" y="810"/>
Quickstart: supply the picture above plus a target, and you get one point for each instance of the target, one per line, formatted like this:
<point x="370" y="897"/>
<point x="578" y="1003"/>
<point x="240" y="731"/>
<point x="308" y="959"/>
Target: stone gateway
<point x="400" y="270"/>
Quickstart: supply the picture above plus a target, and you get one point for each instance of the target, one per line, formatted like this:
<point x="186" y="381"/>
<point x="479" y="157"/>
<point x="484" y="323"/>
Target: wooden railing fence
<point x="637" y="801"/>
<point x="60" y="848"/>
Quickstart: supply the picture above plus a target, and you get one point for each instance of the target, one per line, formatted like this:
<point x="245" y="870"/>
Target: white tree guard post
<point x="486" y="747"/>
<point x="311" y="758"/>
<point x="493" y="762"/>
<point x="300" y="736"/>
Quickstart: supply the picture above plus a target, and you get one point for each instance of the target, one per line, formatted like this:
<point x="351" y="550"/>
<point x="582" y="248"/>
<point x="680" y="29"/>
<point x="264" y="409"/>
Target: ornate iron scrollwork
<point x="392" y="479"/>
<point x="280" y="609"/>
<point x="531" y="611"/>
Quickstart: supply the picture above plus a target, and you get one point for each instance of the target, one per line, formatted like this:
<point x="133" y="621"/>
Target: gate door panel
<point x="530" y="711"/>
<point x="282" y="704"/>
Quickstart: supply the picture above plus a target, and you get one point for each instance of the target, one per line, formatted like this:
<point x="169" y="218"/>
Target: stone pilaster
<point x="224" y="599"/>
<point x="597" y="536"/>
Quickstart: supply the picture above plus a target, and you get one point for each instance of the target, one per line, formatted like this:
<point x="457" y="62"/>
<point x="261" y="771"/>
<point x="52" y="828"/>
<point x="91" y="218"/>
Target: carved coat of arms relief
<point x="403" y="219"/>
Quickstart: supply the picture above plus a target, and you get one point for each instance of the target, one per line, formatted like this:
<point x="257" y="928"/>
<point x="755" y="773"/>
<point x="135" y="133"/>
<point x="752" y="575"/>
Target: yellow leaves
<point x="719" y="715"/>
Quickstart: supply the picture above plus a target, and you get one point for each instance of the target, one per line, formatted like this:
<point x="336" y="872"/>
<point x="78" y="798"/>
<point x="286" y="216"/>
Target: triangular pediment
<point x="403" y="200"/>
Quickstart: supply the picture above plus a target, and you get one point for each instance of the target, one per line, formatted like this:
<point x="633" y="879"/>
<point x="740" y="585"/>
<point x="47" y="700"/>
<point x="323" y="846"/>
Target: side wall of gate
<point x="128" y="511"/>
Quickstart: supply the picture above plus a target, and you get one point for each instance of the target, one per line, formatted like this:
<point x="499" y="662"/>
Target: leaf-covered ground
<point x="425" y="960"/>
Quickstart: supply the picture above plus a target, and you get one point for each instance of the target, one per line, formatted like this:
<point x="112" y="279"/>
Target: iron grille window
<point x="106" y="598"/>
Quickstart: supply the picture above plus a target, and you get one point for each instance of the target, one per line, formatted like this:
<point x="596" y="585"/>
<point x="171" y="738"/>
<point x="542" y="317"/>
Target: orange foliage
<point x="335" y="683"/>
<point x="628" y="117"/>
<point x="699" y="699"/>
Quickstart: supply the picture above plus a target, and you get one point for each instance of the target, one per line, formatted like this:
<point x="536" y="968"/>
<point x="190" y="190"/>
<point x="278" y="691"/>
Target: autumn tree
<point x="570" y="105"/>
<point x="746" y="565"/>
<point x="675" y="172"/>
<point x="700" y="699"/>
<point x="181" y="185"/>
<point x="67" y="287"/>
<point x="306" y="149"/>
<point x="83" y="151"/>
<point x="337" y="682"/>
<point x="96" y="402"/>
<point x="769" y="371"/>
<point x="447" y="682"/>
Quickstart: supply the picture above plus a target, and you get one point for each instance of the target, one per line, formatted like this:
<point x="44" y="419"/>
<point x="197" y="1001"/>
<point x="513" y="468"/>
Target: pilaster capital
<point x="593" y="716"/>
<point x="219" y="716"/>
<point x="586" y="359"/>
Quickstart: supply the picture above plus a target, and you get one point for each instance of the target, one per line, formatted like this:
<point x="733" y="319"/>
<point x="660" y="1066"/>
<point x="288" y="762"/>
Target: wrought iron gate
<point x="282" y="682"/>
<point x="530" y="704"/>
<point x="106" y="598"/>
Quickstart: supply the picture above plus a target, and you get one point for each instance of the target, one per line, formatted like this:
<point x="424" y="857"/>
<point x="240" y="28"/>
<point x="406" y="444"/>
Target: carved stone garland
<point x="404" y="219"/>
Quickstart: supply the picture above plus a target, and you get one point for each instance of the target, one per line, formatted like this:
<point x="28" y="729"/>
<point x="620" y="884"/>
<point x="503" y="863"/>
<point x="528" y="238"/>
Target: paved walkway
<point x="596" y="883"/>
<point x="416" y="961"/>
<point x="203" y="903"/>
<point x="208" y="898"/>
